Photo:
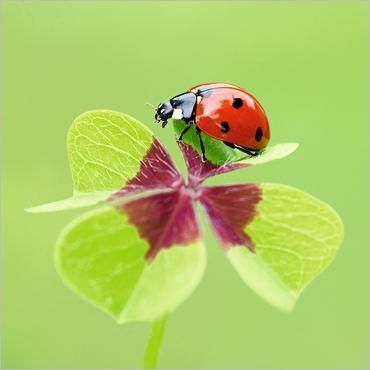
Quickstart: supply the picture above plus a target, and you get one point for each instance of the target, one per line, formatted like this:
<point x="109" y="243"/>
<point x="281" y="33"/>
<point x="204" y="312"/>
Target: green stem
<point x="154" y="343"/>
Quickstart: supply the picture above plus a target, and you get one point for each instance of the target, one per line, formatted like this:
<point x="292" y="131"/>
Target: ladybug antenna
<point x="150" y="105"/>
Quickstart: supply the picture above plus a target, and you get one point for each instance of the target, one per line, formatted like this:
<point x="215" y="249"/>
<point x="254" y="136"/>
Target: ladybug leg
<point x="229" y="144"/>
<point x="250" y="152"/>
<point x="201" y="144"/>
<point x="184" y="131"/>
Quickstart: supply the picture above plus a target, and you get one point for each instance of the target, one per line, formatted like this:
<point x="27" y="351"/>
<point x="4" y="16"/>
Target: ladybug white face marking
<point x="177" y="114"/>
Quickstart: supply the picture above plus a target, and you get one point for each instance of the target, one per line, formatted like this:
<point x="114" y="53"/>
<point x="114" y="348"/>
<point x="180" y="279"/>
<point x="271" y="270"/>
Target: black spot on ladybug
<point x="259" y="134"/>
<point x="237" y="103"/>
<point x="224" y="126"/>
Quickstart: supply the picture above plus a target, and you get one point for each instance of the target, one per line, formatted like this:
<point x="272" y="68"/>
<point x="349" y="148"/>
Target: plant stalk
<point x="153" y="346"/>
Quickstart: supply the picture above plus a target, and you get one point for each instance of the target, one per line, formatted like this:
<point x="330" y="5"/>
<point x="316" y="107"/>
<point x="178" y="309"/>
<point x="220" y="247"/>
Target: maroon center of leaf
<point x="168" y="219"/>
<point x="163" y="220"/>
<point x="200" y="170"/>
<point x="230" y="209"/>
<point x="157" y="171"/>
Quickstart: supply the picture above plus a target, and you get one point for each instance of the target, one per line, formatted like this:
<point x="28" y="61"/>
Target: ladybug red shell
<point x="223" y="111"/>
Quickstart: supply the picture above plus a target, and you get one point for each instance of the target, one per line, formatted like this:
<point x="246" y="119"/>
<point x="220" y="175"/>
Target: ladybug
<point x="222" y="111"/>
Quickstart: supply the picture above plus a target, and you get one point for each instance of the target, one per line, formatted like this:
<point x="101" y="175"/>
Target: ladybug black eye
<point x="224" y="126"/>
<point x="259" y="134"/>
<point x="237" y="103"/>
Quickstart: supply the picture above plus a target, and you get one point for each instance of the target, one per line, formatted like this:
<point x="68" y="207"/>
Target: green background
<point x="307" y="64"/>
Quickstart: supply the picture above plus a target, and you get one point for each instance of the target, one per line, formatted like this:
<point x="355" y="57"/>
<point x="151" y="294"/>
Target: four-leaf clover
<point x="141" y="252"/>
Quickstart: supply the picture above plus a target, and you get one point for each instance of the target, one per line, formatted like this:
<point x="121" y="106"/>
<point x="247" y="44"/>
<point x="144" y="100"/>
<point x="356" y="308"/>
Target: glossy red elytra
<point x="223" y="111"/>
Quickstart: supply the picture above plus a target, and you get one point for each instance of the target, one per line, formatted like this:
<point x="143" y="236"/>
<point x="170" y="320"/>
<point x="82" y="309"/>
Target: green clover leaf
<point x="103" y="258"/>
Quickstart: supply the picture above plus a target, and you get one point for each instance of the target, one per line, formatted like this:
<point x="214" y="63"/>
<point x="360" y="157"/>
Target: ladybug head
<point x="164" y="112"/>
